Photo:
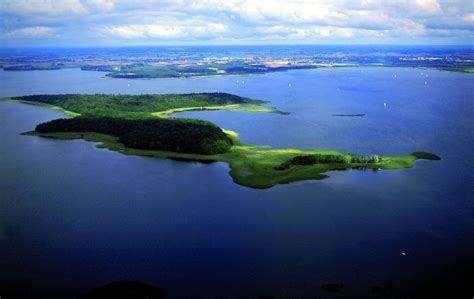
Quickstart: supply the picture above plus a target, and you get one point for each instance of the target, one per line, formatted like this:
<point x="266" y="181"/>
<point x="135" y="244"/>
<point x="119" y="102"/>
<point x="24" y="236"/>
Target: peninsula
<point x="136" y="125"/>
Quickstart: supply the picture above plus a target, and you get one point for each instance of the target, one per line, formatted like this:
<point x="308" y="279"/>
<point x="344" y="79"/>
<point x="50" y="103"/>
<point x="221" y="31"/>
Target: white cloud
<point x="194" y="20"/>
<point x="469" y="18"/>
<point x="429" y="6"/>
<point x="187" y="29"/>
<point x="272" y="10"/>
<point x="30" y="32"/>
<point x="335" y="32"/>
<point x="46" y="7"/>
<point x="410" y="28"/>
<point x="100" y="5"/>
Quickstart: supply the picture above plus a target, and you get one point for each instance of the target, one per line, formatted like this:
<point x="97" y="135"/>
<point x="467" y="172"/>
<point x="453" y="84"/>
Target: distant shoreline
<point x="119" y="75"/>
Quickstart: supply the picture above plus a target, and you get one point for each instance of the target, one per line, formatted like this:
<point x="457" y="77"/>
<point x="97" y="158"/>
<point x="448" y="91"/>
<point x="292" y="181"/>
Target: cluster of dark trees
<point x="426" y="156"/>
<point x="366" y="159"/>
<point x="30" y="67"/>
<point x="176" y="135"/>
<point x="140" y="75"/>
<point x="257" y="69"/>
<point x="134" y="106"/>
<point x="98" y="68"/>
<point x="177" y="71"/>
<point x="314" y="159"/>
<point x="329" y="159"/>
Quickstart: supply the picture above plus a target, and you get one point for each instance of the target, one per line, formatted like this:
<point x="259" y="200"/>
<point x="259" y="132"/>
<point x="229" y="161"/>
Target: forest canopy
<point x="176" y="135"/>
<point x="133" y="119"/>
<point x="134" y="106"/>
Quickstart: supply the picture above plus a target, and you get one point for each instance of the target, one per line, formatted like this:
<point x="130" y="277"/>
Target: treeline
<point x="28" y="67"/>
<point x="134" y="106"/>
<point x="329" y="159"/>
<point x="366" y="159"/>
<point x="176" y="135"/>
<point x="169" y="71"/>
<point x="177" y="71"/>
<point x="425" y="155"/>
<point x="98" y="68"/>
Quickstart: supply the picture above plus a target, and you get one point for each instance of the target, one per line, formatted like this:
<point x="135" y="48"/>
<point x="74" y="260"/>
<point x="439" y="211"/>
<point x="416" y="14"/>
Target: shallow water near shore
<point x="73" y="216"/>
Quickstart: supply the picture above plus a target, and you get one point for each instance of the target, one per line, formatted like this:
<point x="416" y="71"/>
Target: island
<point x="31" y="67"/>
<point x="143" y="106"/>
<point x="195" y="70"/>
<point x="349" y="114"/>
<point x="137" y="125"/>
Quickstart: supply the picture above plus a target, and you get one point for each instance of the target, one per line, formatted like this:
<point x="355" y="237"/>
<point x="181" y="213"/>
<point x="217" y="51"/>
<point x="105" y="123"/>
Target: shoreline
<point x="467" y="70"/>
<point x="53" y="107"/>
<point x="252" y="166"/>
<point x="230" y="107"/>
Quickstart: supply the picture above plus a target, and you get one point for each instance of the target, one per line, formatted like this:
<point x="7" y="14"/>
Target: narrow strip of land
<point x="231" y="107"/>
<point x="251" y="165"/>
<point x="349" y="115"/>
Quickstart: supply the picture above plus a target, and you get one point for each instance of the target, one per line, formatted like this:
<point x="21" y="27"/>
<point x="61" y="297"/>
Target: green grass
<point x="250" y="165"/>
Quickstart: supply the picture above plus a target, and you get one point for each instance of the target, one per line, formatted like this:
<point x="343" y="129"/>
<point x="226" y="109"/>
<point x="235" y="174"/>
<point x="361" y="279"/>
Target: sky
<point x="240" y="22"/>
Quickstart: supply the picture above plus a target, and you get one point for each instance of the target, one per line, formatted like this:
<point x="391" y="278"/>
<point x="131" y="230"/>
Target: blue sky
<point x="213" y="22"/>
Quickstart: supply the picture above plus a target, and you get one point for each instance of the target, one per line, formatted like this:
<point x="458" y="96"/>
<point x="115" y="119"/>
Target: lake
<point x="73" y="216"/>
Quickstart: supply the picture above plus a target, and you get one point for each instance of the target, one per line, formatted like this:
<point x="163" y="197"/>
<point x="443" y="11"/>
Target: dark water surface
<point x="73" y="216"/>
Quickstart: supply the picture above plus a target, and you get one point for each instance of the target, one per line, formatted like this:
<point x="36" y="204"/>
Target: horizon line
<point x="235" y="45"/>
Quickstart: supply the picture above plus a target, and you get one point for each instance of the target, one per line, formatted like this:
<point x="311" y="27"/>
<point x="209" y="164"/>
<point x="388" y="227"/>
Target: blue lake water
<point x="73" y="216"/>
